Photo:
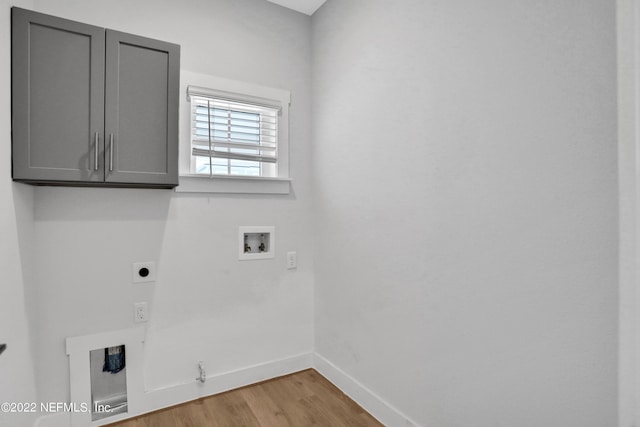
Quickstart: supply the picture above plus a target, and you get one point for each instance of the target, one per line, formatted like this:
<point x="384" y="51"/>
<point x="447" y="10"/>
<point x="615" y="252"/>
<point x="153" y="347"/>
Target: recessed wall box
<point x="108" y="382"/>
<point x="144" y="272"/>
<point x="256" y="242"/>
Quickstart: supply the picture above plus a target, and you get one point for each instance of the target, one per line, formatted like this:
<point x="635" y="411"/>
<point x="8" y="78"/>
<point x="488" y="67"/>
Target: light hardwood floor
<point x="302" y="399"/>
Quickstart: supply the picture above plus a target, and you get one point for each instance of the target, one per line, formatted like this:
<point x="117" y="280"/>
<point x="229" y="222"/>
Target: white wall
<point x="17" y="382"/>
<point x="628" y="22"/>
<point x="465" y="268"/>
<point x="464" y="163"/>
<point x="205" y="305"/>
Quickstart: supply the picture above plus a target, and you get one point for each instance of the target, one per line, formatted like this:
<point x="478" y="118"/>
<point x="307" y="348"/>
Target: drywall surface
<point x="17" y="382"/>
<point x="627" y="44"/>
<point x="464" y="163"/>
<point x="205" y="304"/>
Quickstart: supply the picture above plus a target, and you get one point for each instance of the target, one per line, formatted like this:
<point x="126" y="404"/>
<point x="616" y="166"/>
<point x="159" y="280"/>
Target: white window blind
<point x="235" y="137"/>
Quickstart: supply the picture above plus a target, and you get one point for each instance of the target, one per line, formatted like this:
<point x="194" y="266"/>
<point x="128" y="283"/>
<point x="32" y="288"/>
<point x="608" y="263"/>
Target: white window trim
<point x="240" y="91"/>
<point x="233" y="184"/>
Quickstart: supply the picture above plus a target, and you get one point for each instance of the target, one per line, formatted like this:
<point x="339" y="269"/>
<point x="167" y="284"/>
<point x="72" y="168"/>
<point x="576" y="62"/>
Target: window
<point x="233" y="138"/>
<point x="233" y="134"/>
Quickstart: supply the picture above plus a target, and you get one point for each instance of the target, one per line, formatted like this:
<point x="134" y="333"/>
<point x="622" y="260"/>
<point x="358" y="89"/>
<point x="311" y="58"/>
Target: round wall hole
<point x="143" y="272"/>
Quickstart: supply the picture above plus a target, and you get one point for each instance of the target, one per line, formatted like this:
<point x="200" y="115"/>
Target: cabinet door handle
<point x="96" y="139"/>
<point x="110" y="152"/>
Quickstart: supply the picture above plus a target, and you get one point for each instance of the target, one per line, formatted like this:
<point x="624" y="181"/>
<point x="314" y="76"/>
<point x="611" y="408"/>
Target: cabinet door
<point x="141" y="110"/>
<point x="57" y="99"/>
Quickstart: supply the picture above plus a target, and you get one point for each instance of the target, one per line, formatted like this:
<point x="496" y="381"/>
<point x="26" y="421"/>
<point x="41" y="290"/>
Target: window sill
<point x="233" y="184"/>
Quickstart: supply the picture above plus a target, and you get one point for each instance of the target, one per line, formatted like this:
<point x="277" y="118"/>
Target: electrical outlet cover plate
<point x="292" y="260"/>
<point x="140" y="312"/>
<point x="144" y="272"/>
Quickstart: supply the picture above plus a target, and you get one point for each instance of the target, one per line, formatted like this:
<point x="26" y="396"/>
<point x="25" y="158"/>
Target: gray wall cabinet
<point x="92" y="106"/>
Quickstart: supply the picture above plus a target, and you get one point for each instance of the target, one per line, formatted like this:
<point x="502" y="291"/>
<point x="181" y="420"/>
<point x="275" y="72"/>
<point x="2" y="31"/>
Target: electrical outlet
<point x="292" y="260"/>
<point x="140" y="313"/>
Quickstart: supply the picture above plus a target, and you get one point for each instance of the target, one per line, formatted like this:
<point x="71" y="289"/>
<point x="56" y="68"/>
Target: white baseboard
<point x="175" y="395"/>
<point x="371" y="402"/>
<point x="162" y="398"/>
<point x="170" y="396"/>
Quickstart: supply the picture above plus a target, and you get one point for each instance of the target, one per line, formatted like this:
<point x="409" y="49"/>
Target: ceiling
<point x="304" y="6"/>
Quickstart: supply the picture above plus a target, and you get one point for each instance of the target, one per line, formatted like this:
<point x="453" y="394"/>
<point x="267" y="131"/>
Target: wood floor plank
<point x="229" y="410"/>
<point x="192" y="415"/>
<point x="302" y="399"/>
<point x="328" y="395"/>
<point x="292" y="404"/>
<point x="265" y="408"/>
<point x="319" y="415"/>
